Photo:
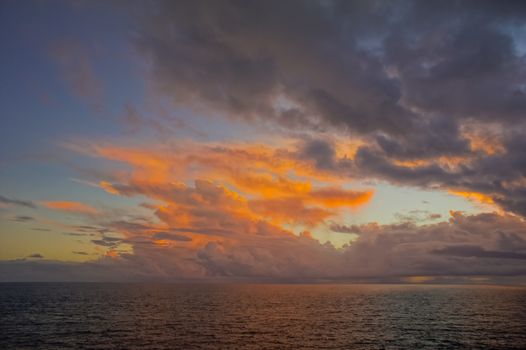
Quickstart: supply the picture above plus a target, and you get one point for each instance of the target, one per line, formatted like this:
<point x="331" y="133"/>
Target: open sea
<point x="266" y="316"/>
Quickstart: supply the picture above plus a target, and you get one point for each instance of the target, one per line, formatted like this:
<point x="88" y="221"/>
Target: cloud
<point x="322" y="152"/>
<point x="262" y="63"/>
<point x="497" y="178"/>
<point x="18" y="202"/>
<point x="417" y="216"/>
<point x="266" y="183"/>
<point x="22" y="218"/>
<point x="71" y="206"/>
<point x="467" y="251"/>
<point x="488" y="245"/>
<point x="106" y="241"/>
<point x="171" y="236"/>
<point x="355" y="229"/>
<point x="493" y="179"/>
<point x="36" y="256"/>
<point x="289" y="210"/>
<point x="368" y="67"/>
<point x="78" y="71"/>
<point x="248" y="220"/>
<point x="80" y="253"/>
<point x="75" y="234"/>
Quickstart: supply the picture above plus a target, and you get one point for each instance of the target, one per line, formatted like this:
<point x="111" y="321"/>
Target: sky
<point x="281" y="141"/>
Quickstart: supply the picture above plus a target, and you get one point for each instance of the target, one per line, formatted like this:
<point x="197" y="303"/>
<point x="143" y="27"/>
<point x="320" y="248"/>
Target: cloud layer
<point x="252" y="221"/>
<point x="427" y="94"/>
<point x="484" y="247"/>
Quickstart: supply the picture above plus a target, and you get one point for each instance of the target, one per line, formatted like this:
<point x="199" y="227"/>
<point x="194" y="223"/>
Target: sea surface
<point x="266" y="316"/>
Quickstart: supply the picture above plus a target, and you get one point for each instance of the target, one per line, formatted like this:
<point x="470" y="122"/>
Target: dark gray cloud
<point x="365" y="66"/>
<point x="475" y="251"/>
<point x="75" y="234"/>
<point x="106" y="241"/>
<point x="301" y="64"/>
<point x="461" y="59"/>
<point x="19" y="202"/>
<point x="41" y="229"/>
<point x="417" y="216"/>
<point x="356" y="229"/>
<point x="430" y="138"/>
<point x="371" y="162"/>
<point x="322" y="152"/>
<point x="22" y="218"/>
<point x="80" y="253"/>
<point x="85" y="230"/>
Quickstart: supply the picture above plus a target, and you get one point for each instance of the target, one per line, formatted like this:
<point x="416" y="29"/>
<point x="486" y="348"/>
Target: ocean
<point x="260" y="316"/>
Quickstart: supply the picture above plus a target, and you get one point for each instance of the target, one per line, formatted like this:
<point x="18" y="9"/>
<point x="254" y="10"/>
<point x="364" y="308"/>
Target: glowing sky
<point x="263" y="140"/>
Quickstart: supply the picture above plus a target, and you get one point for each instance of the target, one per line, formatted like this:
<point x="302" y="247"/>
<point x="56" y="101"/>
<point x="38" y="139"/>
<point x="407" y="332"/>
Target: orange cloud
<point x="108" y="187"/>
<point x="269" y="186"/>
<point x="335" y="197"/>
<point x="212" y="190"/>
<point x="474" y="196"/>
<point x="250" y="167"/>
<point x="450" y="162"/>
<point x="308" y="207"/>
<point x="245" y="162"/>
<point x="289" y="210"/>
<point x="70" y="206"/>
<point x="487" y="138"/>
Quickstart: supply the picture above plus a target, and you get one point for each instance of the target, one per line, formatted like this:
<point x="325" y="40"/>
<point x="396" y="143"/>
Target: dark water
<point x="173" y="316"/>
